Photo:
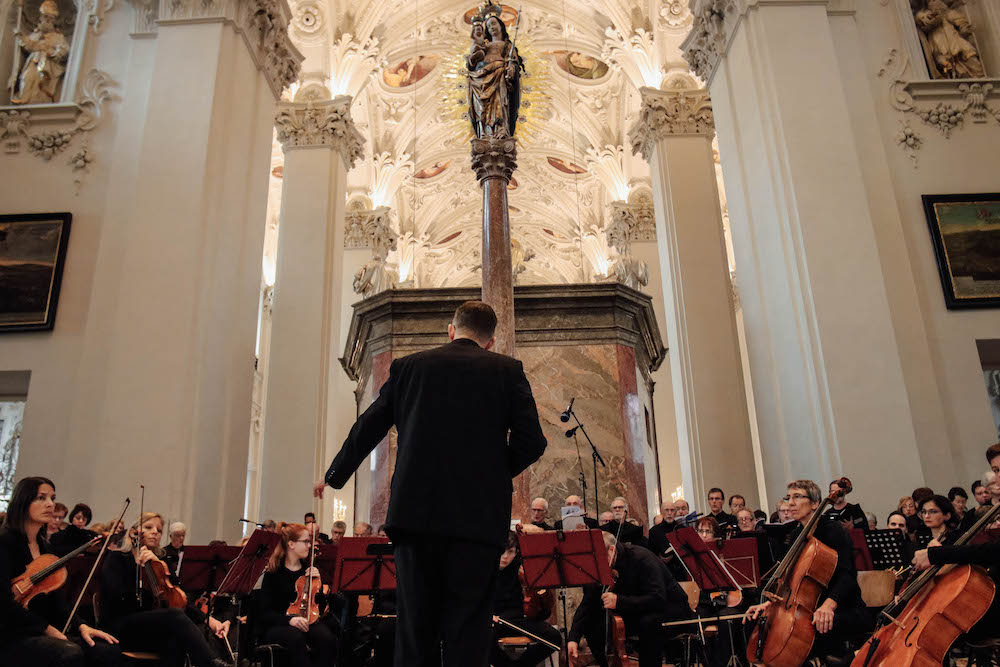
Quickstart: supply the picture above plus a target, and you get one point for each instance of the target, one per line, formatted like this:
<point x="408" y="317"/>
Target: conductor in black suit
<point x="453" y="408"/>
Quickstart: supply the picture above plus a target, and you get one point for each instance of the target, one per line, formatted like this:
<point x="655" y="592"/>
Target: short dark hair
<point x="736" y="495"/>
<point x="992" y="452"/>
<point x="476" y="318"/>
<point x="943" y="504"/>
<point x="307" y="515"/>
<point x="921" y="494"/>
<point x="716" y="489"/>
<point x="975" y="485"/>
<point x="955" y="492"/>
<point x="20" y="500"/>
<point x="895" y="513"/>
<point x="80" y="508"/>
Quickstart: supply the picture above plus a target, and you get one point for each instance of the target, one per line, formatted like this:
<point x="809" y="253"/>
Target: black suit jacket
<point x="453" y="407"/>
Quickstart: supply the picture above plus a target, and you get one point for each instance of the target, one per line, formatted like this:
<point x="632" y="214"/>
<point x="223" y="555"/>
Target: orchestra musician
<point x="306" y="644"/>
<point x="575" y="501"/>
<point x="33" y="635"/>
<point x="849" y="514"/>
<point x="539" y="512"/>
<point x="645" y="595"/>
<point x="620" y="527"/>
<point x="473" y="410"/>
<point x="658" y="534"/>
<point x="138" y="619"/>
<point x="508" y="603"/>
<point x="939" y="523"/>
<point x="840" y="612"/>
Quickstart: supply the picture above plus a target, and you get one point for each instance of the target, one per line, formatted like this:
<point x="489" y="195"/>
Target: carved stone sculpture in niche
<point x="39" y="57"/>
<point x="948" y="39"/>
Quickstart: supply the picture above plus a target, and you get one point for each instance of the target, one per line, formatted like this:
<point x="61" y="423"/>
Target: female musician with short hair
<point x="135" y="617"/>
<point x="306" y="644"/>
<point x="32" y="635"/>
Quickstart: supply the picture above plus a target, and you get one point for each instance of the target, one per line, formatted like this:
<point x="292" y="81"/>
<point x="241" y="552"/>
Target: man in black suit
<point x="539" y="511"/>
<point x="620" y="527"/>
<point x="453" y="408"/>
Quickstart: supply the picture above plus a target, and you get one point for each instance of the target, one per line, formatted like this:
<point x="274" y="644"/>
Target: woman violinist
<point x="32" y="635"/>
<point x="140" y="620"/>
<point x="307" y="643"/>
<point x="840" y="611"/>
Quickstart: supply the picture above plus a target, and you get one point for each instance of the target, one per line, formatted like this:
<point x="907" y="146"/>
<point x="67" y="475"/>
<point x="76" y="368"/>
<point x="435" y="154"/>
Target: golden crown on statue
<point x="488" y="9"/>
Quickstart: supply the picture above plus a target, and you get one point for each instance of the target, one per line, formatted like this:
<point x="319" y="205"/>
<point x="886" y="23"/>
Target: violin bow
<point x="138" y="539"/>
<point x="93" y="569"/>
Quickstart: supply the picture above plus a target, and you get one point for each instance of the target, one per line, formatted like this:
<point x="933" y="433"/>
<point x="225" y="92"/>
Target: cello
<point x="940" y="604"/>
<point x="783" y="634"/>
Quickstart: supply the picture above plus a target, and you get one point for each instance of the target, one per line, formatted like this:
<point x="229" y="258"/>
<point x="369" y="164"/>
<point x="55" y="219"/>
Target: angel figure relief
<point x="948" y="39"/>
<point x="39" y="58"/>
<point x="494" y="75"/>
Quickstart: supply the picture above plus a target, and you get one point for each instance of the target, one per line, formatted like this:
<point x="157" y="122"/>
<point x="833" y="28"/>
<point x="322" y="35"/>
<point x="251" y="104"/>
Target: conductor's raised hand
<point x="318" y="488"/>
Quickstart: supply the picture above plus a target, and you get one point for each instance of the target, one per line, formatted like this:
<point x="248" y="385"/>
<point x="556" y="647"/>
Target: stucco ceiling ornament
<point x="308" y="21"/>
<point x="667" y="113"/>
<point x="909" y="141"/>
<point x="675" y="15"/>
<point x="635" y="55"/>
<point x="320" y="124"/>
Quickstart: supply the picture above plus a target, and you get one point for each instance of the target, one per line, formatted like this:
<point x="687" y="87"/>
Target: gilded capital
<point x="670" y="112"/>
<point x="320" y="124"/>
<point x="494" y="157"/>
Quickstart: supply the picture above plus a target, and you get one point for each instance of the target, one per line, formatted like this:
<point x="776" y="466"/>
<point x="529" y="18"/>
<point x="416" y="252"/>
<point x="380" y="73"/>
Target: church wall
<point x="147" y="375"/>
<point x="941" y="367"/>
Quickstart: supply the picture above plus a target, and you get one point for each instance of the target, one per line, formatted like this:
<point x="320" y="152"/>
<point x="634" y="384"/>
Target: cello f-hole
<point x="916" y="623"/>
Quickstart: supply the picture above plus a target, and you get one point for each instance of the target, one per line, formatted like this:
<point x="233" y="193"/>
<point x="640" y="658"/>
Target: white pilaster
<point x="303" y="428"/>
<point x="674" y="134"/>
<point x="828" y="383"/>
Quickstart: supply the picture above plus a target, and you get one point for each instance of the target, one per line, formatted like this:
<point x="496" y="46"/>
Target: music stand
<point x="204" y="568"/>
<point x="742" y="556"/>
<point x="564" y="559"/>
<point x="886" y="548"/>
<point x="862" y="557"/>
<point x="364" y="566"/>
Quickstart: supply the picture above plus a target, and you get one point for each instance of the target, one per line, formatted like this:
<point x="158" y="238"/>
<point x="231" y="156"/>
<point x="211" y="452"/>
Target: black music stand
<point x="564" y="559"/>
<point x="886" y="548"/>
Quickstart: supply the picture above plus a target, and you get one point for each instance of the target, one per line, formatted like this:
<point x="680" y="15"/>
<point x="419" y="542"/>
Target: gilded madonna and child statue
<point x="494" y="75"/>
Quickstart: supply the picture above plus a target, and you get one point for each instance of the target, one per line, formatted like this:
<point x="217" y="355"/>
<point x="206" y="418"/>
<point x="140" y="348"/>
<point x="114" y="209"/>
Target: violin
<point x="305" y="603"/>
<point x="157" y="577"/>
<point x="783" y="634"/>
<point x="940" y="604"/>
<point x="45" y="574"/>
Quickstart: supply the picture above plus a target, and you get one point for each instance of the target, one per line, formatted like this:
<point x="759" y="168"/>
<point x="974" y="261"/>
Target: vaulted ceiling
<point x="585" y="61"/>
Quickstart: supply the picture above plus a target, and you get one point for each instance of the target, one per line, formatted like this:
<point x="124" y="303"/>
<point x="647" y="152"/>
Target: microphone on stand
<point x="259" y="525"/>
<point x="564" y="417"/>
<point x="570" y="433"/>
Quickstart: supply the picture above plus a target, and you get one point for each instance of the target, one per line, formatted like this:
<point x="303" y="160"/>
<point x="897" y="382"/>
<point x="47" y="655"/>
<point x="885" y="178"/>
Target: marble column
<point x="825" y="363"/>
<point x="304" y="427"/>
<point x="494" y="160"/>
<point x="674" y="134"/>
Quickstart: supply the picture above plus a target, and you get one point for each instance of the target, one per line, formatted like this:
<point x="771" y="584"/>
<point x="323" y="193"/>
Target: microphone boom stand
<point x="594" y="455"/>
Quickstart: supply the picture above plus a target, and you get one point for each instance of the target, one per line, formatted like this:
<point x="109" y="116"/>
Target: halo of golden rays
<point x="535" y="80"/>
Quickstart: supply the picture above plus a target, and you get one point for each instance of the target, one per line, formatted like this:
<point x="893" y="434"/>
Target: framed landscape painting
<point x="32" y="254"/>
<point x="965" y="230"/>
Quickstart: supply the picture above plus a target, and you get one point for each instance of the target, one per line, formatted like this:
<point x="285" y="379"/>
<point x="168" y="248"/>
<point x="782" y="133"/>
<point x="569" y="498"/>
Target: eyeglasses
<point x="705" y="531"/>
<point x="929" y="512"/>
<point x="301" y="541"/>
<point x="617" y="509"/>
<point x="795" y="496"/>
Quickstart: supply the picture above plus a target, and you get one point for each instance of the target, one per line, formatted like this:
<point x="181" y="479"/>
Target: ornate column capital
<point x="373" y="229"/>
<point x="263" y="24"/>
<point x="672" y="112"/>
<point x="494" y="157"/>
<point x="361" y="227"/>
<point x="320" y="125"/>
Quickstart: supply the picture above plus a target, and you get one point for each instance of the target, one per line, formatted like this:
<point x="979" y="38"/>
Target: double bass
<point x="941" y="603"/>
<point x="783" y="634"/>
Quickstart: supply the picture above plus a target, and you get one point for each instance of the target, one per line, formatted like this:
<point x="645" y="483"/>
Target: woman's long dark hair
<point x="20" y="500"/>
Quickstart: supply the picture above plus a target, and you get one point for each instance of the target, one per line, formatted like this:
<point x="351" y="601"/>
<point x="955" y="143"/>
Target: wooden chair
<point x="517" y="643"/>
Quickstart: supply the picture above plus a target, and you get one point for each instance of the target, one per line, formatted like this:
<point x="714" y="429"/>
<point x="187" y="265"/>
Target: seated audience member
<point x="508" y="604"/>
<point x="539" y="512"/>
<point x="736" y="503"/>
<point x="575" y="501"/>
<point x="620" y="527"/>
<point x="338" y="531"/>
<point x="135" y="618"/>
<point x="841" y="612"/>
<point x="852" y="516"/>
<point x="175" y="547"/>
<point x="715" y="499"/>
<point x="872" y="521"/>
<point x="32" y="635"/>
<point x="57" y="522"/>
<point x="658" y="543"/>
<point x="646" y="595"/>
<point x="959" y="500"/>
<point x="362" y="529"/>
<point x="683" y="509"/>
<point x="307" y="645"/>
<point x="980" y="493"/>
<point x="938" y="516"/>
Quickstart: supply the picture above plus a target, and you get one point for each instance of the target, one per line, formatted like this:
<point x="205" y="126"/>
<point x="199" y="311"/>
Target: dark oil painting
<point x="32" y="253"/>
<point x="965" y="230"/>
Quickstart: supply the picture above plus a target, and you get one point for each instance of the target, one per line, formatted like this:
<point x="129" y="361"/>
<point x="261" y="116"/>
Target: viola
<point x="45" y="574"/>
<point x="305" y="603"/>
<point x="783" y="634"/>
<point x="940" y="604"/>
<point x="165" y="594"/>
